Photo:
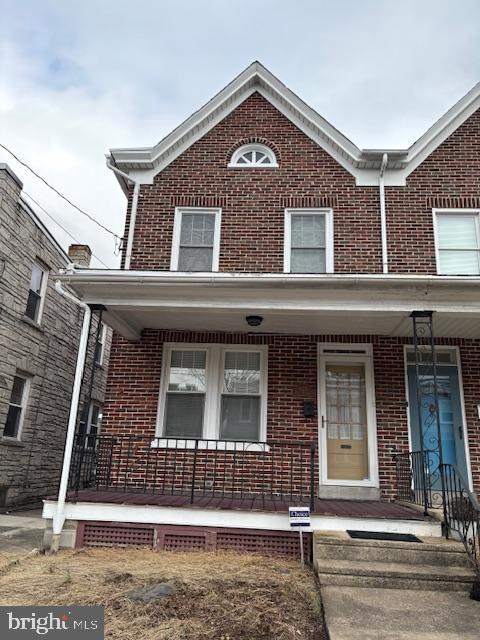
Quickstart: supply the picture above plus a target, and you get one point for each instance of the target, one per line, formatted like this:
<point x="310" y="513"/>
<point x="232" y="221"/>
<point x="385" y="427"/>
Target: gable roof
<point x="143" y="163"/>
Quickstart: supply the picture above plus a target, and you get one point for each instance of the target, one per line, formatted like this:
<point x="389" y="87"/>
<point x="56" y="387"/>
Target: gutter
<point x="383" y="214"/>
<point x="120" y="276"/>
<point x="133" y="211"/>
<point x="59" y="516"/>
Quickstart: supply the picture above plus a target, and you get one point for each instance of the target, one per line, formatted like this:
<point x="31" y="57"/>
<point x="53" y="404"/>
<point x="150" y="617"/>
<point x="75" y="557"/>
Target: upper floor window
<point x="253" y="155"/>
<point x="16" y="407"/>
<point x="36" y="294"/>
<point x="457" y="242"/>
<point x="196" y="240"/>
<point x="308" y="241"/>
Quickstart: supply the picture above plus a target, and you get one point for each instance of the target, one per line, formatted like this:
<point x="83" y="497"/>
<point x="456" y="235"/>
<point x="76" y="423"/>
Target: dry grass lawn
<point x="222" y="596"/>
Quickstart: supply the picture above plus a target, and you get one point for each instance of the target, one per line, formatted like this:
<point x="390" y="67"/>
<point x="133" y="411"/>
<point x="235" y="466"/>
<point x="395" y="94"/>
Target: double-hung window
<point x="241" y="396"/>
<point x="213" y="392"/>
<point x="185" y="395"/>
<point x="457" y="242"/>
<point x="91" y="428"/>
<point x="308" y="241"/>
<point x="16" y="407"/>
<point x="100" y="345"/>
<point x="196" y="240"/>
<point x="36" y="293"/>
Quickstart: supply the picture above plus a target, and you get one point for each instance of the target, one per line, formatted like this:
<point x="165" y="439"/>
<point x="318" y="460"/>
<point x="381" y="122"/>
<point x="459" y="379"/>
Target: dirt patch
<point x="222" y="596"/>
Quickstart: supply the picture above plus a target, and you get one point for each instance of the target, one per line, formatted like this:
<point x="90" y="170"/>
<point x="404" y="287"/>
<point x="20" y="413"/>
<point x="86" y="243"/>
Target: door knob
<point x="460" y="432"/>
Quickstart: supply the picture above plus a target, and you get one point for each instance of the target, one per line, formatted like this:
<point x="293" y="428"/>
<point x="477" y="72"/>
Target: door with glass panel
<point x="346" y="414"/>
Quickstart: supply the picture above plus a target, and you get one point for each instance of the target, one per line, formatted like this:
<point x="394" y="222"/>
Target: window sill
<point x="11" y="442"/>
<point x="210" y="445"/>
<point x="32" y="323"/>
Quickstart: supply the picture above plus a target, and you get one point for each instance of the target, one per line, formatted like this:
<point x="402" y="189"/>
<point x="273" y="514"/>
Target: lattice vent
<point x="177" y="542"/>
<point x="99" y="535"/>
<point x="253" y="543"/>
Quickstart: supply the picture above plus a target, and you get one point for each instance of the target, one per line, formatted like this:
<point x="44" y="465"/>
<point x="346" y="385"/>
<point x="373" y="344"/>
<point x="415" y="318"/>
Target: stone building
<point x="39" y="336"/>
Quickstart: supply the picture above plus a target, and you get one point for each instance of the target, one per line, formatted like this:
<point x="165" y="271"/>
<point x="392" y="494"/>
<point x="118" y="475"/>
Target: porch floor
<point x="339" y="508"/>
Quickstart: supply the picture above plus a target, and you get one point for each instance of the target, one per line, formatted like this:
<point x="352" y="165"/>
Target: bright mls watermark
<point x="58" y="623"/>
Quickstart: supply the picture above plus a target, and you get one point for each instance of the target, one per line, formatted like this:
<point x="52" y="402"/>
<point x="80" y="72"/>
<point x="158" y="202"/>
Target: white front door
<point x="347" y="430"/>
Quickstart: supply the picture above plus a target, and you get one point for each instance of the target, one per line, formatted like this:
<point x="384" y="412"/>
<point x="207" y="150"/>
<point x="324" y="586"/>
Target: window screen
<point x="185" y="394"/>
<point x="197" y="237"/>
<point x="307" y="243"/>
<point x="458" y="244"/>
<point x="241" y="396"/>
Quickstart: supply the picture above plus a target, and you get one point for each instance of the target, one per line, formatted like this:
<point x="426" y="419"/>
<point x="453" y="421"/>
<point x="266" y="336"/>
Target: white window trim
<point x="177" y="227"/>
<point x="287" y="252"/>
<point x="213" y="392"/>
<point x="348" y="358"/>
<point x="88" y="426"/>
<point x="43" y="289"/>
<point x="25" y="395"/>
<point x="102" y="340"/>
<point x="435" y="214"/>
<point x="233" y="164"/>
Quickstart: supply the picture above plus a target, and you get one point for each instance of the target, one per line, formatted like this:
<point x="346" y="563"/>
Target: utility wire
<point x="59" y="225"/>
<point x="90" y="217"/>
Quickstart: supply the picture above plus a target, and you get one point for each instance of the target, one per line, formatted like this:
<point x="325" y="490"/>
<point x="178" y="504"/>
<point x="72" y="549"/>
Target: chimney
<point x="80" y="254"/>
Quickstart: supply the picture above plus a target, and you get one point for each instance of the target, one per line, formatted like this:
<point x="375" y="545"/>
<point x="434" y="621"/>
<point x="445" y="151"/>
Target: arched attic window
<point x="253" y="155"/>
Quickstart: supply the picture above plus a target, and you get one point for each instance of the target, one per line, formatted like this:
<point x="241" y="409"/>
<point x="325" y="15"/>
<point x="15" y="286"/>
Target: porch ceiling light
<point x="254" y="321"/>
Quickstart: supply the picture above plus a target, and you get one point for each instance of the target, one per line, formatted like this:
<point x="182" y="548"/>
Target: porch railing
<point x="462" y="512"/>
<point x="277" y="470"/>
<point x="414" y="484"/>
<point x="443" y="487"/>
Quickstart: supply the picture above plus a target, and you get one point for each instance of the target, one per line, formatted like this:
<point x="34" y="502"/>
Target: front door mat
<point x="375" y="535"/>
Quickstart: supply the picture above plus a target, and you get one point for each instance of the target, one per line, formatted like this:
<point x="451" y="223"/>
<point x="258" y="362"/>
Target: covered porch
<point x="378" y="335"/>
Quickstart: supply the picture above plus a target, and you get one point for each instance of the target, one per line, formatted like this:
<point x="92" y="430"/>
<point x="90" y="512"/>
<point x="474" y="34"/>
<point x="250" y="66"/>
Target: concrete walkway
<point x="21" y="531"/>
<point x="357" y="613"/>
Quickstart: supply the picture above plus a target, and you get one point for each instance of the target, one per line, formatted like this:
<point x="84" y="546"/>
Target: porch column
<point x="428" y="406"/>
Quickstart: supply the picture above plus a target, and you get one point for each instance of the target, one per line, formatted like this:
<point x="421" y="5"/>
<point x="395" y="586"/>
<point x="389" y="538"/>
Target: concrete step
<point x="444" y="553"/>
<point x="393" y="575"/>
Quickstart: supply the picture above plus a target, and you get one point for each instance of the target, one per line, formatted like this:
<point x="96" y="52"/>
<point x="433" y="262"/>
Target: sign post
<point x="299" y="517"/>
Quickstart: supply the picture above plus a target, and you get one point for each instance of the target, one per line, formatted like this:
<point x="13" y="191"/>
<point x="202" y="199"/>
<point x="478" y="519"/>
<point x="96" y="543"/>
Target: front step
<point x="437" y="566"/>
<point x="442" y="553"/>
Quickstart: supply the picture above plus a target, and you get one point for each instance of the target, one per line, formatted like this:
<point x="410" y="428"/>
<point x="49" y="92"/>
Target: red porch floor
<point x="341" y="508"/>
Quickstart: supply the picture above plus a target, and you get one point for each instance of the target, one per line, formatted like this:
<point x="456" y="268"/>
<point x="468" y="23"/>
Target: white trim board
<point x="106" y="512"/>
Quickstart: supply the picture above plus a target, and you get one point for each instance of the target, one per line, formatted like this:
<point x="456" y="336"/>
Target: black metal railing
<point x="462" y="512"/>
<point x="423" y="482"/>
<point x="415" y="481"/>
<point x="276" y="470"/>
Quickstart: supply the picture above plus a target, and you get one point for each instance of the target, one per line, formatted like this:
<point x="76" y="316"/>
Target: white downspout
<point x="383" y="214"/>
<point x="133" y="211"/>
<point x="59" y="516"/>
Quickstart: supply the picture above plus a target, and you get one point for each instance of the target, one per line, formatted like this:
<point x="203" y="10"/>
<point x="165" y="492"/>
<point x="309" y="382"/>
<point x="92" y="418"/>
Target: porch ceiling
<point x="320" y="305"/>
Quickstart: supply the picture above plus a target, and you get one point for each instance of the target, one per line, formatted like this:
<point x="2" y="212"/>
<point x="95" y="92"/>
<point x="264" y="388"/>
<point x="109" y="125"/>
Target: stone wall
<point x="30" y="466"/>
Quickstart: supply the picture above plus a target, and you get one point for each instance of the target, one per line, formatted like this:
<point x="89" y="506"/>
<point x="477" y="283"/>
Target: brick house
<point x="39" y="334"/>
<point x="297" y="322"/>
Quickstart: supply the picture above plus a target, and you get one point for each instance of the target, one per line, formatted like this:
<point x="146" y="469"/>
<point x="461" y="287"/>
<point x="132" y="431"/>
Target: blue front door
<point x="452" y="428"/>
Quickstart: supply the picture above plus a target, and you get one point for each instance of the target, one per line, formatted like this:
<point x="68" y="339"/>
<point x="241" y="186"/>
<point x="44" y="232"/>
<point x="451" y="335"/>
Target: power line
<point x="82" y="211"/>
<point x="61" y="226"/>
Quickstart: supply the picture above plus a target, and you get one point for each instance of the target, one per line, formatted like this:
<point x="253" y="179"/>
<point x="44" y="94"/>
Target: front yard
<point x="221" y="596"/>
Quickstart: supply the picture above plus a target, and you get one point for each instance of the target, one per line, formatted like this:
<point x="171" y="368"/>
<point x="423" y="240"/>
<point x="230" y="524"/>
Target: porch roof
<point x="327" y="304"/>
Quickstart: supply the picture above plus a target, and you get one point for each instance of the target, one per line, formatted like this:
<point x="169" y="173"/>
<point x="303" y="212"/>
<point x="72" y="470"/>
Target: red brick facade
<point x="253" y="204"/>
<point x="133" y="390"/>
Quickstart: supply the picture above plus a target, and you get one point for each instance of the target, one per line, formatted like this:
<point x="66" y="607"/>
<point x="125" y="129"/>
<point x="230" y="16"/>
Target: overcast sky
<point x="77" y="78"/>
